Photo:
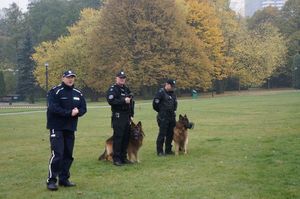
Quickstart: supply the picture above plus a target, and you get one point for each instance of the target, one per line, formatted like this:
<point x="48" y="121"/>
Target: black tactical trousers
<point x="166" y="125"/>
<point x="62" y="144"/>
<point x="120" y="123"/>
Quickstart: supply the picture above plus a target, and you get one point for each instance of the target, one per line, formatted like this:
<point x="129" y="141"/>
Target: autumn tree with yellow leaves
<point x="150" y="40"/>
<point x="196" y="42"/>
<point x="68" y="52"/>
<point x="258" y="54"/>
<point x="203" y="17"/>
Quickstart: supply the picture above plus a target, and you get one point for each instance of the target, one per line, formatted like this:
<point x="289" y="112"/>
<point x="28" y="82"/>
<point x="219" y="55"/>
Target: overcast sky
<point x="21" y="3"/>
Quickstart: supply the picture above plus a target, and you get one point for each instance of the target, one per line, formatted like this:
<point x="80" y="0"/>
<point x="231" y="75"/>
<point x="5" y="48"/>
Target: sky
<point x="21" y="3"/>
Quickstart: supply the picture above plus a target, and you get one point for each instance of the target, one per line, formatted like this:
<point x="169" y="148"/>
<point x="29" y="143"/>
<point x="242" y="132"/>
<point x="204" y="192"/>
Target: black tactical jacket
<point x="165" y="102"/>
<point x="116" y="98"/>
<point x="61" y="100"/>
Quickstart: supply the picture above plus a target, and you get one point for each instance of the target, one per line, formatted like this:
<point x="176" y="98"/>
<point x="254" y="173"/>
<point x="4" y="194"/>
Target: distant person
<point x="165" y="104"/>
<point x="65" y="105"/>
<point x="121" y="101"/>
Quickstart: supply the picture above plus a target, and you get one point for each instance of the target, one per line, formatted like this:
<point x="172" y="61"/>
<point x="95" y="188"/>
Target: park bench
<point x="9" y="99"/>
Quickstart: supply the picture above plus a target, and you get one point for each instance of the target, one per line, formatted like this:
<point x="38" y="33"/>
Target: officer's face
<point x="69" y="81"/>
<point x="120" y="81"/>
<point x="169" y="87"/>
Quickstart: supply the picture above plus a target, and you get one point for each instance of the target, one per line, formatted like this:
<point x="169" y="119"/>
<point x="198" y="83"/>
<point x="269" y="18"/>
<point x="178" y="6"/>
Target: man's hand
<point x="75" y="111"/>
<point x="127" y="100"/>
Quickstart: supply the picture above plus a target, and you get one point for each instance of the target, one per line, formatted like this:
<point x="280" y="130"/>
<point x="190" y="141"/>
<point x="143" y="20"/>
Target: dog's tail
<point x="103" y="156"/>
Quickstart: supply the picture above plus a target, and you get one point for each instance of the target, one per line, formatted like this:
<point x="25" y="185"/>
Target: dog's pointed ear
<point x="180" y="116"/>
<point x="139" y="124"/>
<point x="185" y="115"/>
<point x="132" y="124"/>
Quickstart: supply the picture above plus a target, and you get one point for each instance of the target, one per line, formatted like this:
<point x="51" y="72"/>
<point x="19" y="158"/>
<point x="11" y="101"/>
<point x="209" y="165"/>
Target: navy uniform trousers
<point x="165" y="136"/>
<point x="62" y="144"/>
<point x="121" y="124"/>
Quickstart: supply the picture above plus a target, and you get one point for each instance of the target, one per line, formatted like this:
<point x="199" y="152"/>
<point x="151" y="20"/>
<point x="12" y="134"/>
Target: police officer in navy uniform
<point x="121" y="101"/>
<point x="165" y="104"/>
<point x="65" y="105"/>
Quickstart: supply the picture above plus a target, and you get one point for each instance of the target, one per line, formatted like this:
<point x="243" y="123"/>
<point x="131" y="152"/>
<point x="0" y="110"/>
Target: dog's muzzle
<point x="191" y="125"/>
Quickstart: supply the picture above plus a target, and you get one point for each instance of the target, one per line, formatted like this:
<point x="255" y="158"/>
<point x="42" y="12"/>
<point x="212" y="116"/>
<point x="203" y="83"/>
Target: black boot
<point x="52" y="186"/>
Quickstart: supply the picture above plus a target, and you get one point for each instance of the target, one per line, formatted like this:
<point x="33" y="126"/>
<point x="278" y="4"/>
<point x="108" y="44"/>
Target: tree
<point x="49" y="19"/>
<point x="237" y="42"/>
<point x="289" y="18"/>
<point x="2" y="84"/>
<point x="150" y="40"/>
<point x="79" y="5"/>
<point x="296" y="71"/>
<point x="26" y="81"/>
<point x="203" y="17"/>
<point x="12" y="29"/>
<point x="268" y="15"/>
<point x="259" y="53"/>
<point x="289" y="25"/>
<point x="68" y="52"/>
<point x="231" y="26"/>
<point x="11" y="32"/>
<point x="10" y="80"/>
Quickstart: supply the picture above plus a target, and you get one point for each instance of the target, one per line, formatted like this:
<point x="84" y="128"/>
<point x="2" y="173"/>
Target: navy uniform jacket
<point x="165" y="102"/>
<point x="116" y="98"/>
<point x="61" y="100"/>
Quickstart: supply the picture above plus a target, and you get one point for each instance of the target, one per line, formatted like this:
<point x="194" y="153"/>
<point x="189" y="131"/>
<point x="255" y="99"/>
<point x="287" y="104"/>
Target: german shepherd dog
<point x="135" y="142"/>
<point x="180" y="136"/>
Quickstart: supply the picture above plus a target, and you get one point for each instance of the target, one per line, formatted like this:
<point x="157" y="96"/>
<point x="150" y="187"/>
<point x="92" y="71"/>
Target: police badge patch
<point x="111" y="97"/>
<point x="156" y="101"/>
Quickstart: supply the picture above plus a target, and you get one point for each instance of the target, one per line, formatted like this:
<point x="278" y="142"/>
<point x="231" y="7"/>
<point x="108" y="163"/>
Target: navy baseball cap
<point x="172" y="82"/>
<point x="69" y="73"/>
<point x="121" y="74"/>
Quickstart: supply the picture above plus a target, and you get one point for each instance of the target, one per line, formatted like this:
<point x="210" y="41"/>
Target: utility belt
<point x="118" y="114"/>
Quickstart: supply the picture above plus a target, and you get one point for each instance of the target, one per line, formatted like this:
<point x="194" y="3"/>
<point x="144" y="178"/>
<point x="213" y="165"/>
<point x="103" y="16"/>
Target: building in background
<point x="247" y="8"/>
<point x="1" y="13"/>
<point x="32" y="1"/>
<point x="274" y="3"/>
<point x="238" y="6"/>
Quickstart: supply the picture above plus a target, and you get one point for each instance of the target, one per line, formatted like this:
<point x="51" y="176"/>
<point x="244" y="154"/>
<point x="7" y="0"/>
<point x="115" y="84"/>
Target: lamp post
<point x="46" y="73"/>
<point x="295" y="76"/>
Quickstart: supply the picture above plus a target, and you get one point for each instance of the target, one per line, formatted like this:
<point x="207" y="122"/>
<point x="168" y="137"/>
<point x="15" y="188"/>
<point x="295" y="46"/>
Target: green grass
<point x="242" y="147"/>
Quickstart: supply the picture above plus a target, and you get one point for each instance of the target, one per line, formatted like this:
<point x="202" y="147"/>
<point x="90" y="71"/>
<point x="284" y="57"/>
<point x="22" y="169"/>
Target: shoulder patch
<point x="156" y="101"/>
<point x="111" y="97"/>
<point x="112" y="87"/>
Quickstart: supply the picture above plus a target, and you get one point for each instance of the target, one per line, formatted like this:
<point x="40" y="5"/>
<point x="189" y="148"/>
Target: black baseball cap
<point x="172" y="82"/>
<point x="121" y="74"/>
<point x="69" y="73"/>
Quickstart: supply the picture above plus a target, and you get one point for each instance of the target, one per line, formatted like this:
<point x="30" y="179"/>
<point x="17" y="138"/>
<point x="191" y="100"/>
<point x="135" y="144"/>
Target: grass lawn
<point x="242" y="147"/>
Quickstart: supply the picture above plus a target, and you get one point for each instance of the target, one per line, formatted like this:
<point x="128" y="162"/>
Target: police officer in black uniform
<point x="121" y="101"/>
<point x="165" y="104"/>
<point x="65" y="105"/>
